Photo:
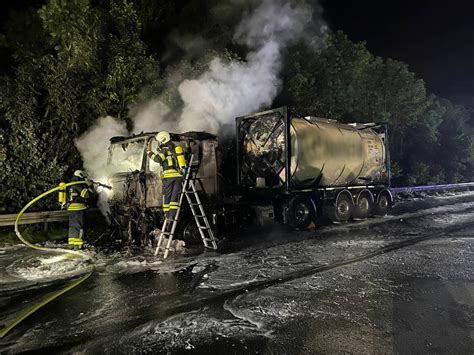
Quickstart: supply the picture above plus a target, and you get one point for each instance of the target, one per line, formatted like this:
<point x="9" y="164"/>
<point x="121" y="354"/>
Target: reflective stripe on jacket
<point x="77" y="197"/>
<point x="75" y="241"/>
<point x="171" y="158"/>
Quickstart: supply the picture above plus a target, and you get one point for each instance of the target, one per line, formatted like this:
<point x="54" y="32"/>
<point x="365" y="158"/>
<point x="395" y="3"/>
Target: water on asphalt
<point x="403" y="283"/>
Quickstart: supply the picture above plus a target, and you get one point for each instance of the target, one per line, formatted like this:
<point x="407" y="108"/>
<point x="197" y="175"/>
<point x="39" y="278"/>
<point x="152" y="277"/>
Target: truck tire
<point x="187" y="230"/>
<point x="383" y="203"/>
<point x="364" y="205"/>
<point x="301" y="212"/>
<point x="342" y="208"/>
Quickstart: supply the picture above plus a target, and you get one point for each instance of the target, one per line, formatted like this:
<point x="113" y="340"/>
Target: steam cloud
<point x="228" y="90"/>
<point x="93" y="144"/>
<point x="224" y="91"/>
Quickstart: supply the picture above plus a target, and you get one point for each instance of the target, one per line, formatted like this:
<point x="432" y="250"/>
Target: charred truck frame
<point x="290" y="170"/>
<point x="136" y="201"/>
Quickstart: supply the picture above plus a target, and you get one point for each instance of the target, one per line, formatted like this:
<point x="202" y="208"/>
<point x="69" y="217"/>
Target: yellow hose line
<point x="24" y="241"/>
<point x="37" y="306"/>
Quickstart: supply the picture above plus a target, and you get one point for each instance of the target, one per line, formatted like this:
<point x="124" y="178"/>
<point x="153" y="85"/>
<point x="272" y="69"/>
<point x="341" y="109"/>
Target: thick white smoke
<point x="231" y="89"/>
<point x="224" y="91"/>
<point x="228" y="90"/>
<point x="93" y="145"/>
<point x="150" y="117"/>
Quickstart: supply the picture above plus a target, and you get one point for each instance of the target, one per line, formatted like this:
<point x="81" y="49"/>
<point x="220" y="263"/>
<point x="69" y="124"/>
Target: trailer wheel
<point x="364" y="205"/>
<point x="301" y="212"/>
<point x="342" y="209"/>
<point x="383" y="203"/>
<point x="187" y="230"/>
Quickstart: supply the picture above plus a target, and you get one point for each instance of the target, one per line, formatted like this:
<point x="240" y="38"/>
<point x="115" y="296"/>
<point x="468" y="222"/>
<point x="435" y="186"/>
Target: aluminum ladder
<point x="202" y="223"/>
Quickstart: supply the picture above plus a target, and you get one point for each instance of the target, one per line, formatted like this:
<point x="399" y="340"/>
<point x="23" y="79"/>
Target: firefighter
<point x="171" y="158"/>
<point x="78" y="197"/>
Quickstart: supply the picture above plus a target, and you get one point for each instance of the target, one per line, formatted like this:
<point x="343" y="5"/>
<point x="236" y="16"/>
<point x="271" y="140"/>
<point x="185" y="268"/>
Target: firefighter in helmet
<point x="78" y="197"/>
<point x="171" y="158"/>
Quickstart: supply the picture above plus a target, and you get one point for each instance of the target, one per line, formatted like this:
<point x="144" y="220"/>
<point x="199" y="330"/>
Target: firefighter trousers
<point x="76" y="228"/>
<point x="171" y="189"/>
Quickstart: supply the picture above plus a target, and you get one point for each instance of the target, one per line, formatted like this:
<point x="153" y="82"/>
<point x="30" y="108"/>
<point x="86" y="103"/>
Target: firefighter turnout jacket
<point x="78" y="196"/>
<point x="171" y="157"/>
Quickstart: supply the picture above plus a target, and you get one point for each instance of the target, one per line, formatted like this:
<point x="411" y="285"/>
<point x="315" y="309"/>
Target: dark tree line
<point x="430" y="138"/>
<point x="70" y="62"/>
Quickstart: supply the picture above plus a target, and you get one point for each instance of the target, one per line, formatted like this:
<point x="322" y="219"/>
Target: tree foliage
<point x="87" y="62"/>
<point x="73" y="61"/>
<point x="344" y="81"/>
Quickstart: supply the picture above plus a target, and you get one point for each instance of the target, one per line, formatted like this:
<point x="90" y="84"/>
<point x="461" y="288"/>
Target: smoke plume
<point x="93" y="145"/>
<point x="233" y="89"/>
<point x="146" y="117"/>
<point x="226" y="90"/>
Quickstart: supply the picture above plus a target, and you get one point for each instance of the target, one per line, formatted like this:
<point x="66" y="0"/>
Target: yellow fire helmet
<point x="163" y="137"/>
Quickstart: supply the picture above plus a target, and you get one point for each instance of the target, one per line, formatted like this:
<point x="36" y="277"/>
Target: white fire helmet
<point x="80" y="174"/>
<point x="163" y="137"/>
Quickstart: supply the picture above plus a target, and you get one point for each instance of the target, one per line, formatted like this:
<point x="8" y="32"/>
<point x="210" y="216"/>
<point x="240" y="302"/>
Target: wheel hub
<point x="363" y="204"/>
<point x="343" y="208"/>
<point x="189" y="232"/>
<point x="301" y="212"/>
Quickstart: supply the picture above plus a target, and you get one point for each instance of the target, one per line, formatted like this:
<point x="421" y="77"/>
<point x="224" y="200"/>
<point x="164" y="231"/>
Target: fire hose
<point x="75" y="253"/>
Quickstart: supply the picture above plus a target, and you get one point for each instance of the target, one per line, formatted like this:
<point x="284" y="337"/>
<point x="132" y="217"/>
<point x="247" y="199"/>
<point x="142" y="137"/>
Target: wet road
<point x="403" y="283"/>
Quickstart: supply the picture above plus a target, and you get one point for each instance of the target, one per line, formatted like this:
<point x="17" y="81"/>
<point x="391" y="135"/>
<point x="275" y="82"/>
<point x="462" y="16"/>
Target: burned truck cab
<point x="136" y="201"/>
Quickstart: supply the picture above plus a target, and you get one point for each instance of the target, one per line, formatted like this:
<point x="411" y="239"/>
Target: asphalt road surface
<point x="399" y="284"/>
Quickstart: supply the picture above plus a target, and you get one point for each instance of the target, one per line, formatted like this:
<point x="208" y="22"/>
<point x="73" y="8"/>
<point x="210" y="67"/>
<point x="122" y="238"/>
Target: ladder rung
<point x="189" y="190"/>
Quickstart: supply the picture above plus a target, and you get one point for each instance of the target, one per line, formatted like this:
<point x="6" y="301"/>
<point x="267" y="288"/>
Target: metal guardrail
<point x="61" y="215"/>
<point x="33" y="217"/>
<point x="409" y="189"/>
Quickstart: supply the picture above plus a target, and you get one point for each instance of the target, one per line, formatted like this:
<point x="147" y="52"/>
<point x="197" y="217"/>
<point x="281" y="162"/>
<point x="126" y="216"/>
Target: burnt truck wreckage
<point x="136" y="201"/>
<point x="278" y="168"/>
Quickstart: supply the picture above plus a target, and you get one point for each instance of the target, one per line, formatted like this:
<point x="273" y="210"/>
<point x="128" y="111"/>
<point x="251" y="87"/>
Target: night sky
<point x="436" y="38"/>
